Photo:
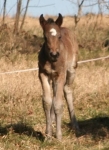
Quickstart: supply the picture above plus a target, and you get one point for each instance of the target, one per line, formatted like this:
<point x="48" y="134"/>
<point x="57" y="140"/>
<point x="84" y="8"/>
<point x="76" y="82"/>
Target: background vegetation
<point x="22" y="120"/>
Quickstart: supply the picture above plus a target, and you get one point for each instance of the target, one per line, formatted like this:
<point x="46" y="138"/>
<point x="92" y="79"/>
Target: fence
<point x="35" y="69"/>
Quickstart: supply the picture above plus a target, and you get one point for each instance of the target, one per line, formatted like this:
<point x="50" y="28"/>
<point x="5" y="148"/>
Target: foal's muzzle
<point x="54" y="55"/>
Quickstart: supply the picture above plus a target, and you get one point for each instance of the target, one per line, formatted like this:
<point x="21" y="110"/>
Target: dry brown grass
<point x="22" y="116"/>
<point x="22" y="120"/>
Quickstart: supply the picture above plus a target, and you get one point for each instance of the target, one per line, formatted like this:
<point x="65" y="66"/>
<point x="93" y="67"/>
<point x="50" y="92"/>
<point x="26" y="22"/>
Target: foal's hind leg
<point x="69" y="97"/>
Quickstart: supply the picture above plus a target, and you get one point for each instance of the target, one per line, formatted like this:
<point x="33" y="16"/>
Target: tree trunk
<point x="22" y="23"/>
<point x="78" y="16"/>
<point x="4" y="11"/>
<point x="16" y="25"/>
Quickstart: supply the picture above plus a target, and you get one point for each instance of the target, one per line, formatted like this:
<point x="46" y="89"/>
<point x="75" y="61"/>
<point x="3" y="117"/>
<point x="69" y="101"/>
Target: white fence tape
<point x="17" y="71"/>
<point x="89" y="60"/>
<point x="35" y="69"/>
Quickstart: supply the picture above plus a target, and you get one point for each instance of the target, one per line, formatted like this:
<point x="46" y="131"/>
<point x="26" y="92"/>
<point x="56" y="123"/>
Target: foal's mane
<point x="50" y="21"/>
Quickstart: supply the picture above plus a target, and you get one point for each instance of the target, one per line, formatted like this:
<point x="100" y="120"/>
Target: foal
<point x="57" y="63"/>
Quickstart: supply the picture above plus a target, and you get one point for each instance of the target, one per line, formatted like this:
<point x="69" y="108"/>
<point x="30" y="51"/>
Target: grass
<point x="22" y="120"/>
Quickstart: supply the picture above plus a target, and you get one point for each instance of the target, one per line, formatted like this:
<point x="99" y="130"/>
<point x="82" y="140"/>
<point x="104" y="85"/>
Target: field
<point x="22" y="120"/>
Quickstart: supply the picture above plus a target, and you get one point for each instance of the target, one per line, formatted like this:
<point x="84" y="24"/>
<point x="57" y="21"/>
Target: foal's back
<point x="70" y="46"/>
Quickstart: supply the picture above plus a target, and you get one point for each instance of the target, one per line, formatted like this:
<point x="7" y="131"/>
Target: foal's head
<point x="52" y="35"/>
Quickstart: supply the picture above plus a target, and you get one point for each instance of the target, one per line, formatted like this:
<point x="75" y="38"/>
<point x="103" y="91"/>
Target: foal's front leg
<point x="47" y="102"/>
<point x="58" y="106"/>
<point x="52" y="108"/>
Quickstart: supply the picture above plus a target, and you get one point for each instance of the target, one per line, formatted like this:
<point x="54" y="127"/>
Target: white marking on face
<point x="53" y="32"/>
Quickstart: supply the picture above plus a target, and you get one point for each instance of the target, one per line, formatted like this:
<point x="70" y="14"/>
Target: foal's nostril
<point x="55" y="55"/>
<point x="51" y="54"/>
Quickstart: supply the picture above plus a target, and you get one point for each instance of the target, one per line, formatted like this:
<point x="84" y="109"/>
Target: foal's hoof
<point x="59" y="137"/>
<point x="48" y="138"/>
<point x="75" y="127"/>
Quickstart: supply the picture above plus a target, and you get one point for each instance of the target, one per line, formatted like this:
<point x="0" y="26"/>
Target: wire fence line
<point x="35" y="69"/>
<point x="95" y="59"/>
<point x="18" y="71"/>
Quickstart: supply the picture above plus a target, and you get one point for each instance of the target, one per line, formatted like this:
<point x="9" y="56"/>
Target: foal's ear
<point x="59" y="20"/>
<point x="42" y="21"/>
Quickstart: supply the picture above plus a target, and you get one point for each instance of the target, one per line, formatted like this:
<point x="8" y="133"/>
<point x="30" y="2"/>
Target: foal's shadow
<point x="97" y="127"/>
<point x="22" y="128"/>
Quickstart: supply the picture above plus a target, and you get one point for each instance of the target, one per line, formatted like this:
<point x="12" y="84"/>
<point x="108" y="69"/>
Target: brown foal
<point x="57" y="63"/>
